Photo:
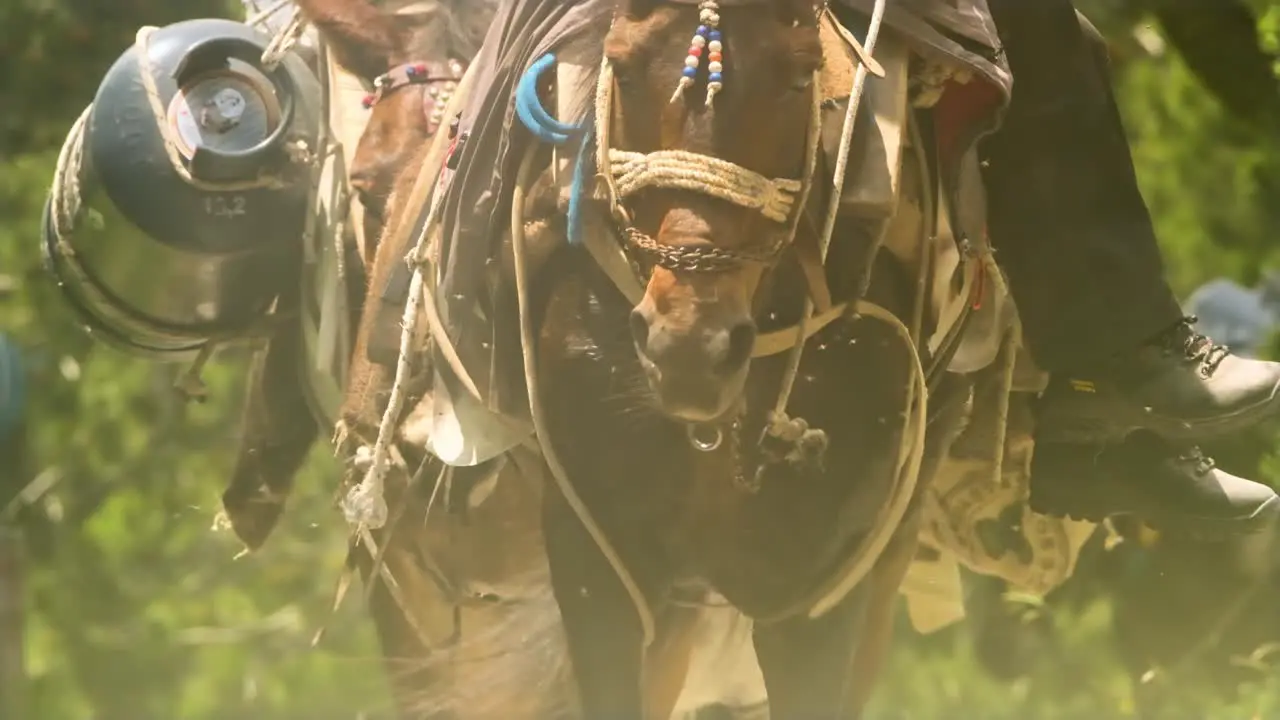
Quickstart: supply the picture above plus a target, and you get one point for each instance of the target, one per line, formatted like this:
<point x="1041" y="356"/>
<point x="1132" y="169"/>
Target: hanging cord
<point x="365" y="505"/>
<point x="548" y="129"/>
<point x="260" y="18"/>
<point x="778" y="421"/>
<point x="911" y="448"/>
<point x="283" y="41"/>
<point x="65" y="197"/>
<point x="928" y="233"/>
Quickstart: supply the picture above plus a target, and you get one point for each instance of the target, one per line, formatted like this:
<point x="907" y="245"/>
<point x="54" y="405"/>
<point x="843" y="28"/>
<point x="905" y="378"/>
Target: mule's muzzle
<point x="697" y="372"/>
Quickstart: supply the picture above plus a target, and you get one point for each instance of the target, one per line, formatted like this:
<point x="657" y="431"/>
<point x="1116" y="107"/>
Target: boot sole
<point x="1076" y="506"/>
<point x="1082" y="423"/>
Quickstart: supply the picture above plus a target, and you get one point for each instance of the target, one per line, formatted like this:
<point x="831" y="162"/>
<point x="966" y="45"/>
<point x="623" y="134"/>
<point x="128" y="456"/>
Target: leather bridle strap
<point x="414" y="73"/>
<point x="440" y="78"/>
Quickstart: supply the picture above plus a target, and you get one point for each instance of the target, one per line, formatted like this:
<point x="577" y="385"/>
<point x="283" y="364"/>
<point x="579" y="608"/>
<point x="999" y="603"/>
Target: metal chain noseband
<point x="695" y="258"/>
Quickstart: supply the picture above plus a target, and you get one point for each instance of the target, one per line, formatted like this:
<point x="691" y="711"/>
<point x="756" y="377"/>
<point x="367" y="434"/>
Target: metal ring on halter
<point x="702" y="444"/>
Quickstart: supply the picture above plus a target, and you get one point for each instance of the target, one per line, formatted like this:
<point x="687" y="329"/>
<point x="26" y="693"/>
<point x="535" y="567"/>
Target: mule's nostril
<point x="742" y="340"/>
<point x="640" y="331"/>
<point x="361" y="180"/>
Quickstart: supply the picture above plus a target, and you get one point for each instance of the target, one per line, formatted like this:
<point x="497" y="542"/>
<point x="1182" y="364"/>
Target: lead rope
<point x="281" y="43"/>
<point x="558" y="472"/>
<point x="548" y="129"/>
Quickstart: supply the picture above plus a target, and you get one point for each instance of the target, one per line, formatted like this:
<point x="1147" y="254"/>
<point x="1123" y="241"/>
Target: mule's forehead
<point x="753" y="27"/>
<point x="724" y="3"/>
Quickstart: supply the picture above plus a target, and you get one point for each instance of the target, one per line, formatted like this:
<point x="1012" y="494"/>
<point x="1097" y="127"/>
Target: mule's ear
<point x="637" y="9"/>
<point x="364" y="39"/>
<point x="799" y="12"/>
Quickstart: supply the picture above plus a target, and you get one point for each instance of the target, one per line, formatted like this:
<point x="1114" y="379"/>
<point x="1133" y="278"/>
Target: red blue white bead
<point x="706" y="41"/>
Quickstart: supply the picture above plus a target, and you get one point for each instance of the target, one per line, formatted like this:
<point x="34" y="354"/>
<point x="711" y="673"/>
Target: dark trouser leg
<point x="1066" y="217"/>
<point x="1073" y="233"/>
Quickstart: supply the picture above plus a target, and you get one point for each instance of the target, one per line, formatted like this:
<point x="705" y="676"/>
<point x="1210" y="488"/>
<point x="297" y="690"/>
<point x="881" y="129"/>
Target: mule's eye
<point x="801" y="82"/>
<point x="622" y="71"/>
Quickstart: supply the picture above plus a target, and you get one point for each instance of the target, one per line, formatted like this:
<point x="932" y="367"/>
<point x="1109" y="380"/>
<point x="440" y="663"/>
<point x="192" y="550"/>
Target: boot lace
<point x="1195" y="456"/>
<point x="1195" y="347"/>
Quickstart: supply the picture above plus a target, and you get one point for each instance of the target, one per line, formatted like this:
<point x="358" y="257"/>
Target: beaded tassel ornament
<point x="705" y="40"/>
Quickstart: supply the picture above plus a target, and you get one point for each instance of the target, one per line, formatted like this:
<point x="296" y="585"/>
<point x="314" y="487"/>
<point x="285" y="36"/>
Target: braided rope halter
<point x="625" y="173"/>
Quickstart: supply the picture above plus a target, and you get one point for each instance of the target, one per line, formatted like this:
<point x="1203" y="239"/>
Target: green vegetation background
<point x="136" y="609"/>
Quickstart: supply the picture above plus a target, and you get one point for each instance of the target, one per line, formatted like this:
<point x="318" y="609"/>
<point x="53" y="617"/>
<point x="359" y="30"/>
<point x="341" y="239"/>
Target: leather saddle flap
<point x="880" y="130"/>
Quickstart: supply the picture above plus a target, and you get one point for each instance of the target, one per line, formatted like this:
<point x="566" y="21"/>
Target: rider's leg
<point x="1169" y="487"/>
<point x="1074" y="235"/>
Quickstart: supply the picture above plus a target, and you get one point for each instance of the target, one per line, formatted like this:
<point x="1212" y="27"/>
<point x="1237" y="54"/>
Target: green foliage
<point x="1207" y="180"/>
<point x="137" y="609"/>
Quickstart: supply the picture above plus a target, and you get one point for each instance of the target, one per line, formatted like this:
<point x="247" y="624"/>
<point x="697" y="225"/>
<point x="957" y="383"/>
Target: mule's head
<point x="406" y="110"/>
<point x="404" y="59"/>
<point x="740" y="122"/>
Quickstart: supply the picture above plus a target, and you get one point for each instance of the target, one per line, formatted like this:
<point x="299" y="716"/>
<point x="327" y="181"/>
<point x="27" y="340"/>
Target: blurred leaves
<point x="137" y="610"/>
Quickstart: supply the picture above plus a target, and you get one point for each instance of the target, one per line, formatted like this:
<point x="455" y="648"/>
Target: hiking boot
<point x="1181" y="386"/>
<point x="1174" y="488"/>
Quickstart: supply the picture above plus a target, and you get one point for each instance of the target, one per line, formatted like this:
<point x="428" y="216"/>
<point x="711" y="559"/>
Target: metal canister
<point x="183" y="214"/>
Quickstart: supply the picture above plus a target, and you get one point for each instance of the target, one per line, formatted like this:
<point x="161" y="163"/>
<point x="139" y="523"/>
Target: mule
<point x="484" y="541"/>
<point x="411" y="603"/>
<point x="661" y="689"/>
<point x="680" y="476"/>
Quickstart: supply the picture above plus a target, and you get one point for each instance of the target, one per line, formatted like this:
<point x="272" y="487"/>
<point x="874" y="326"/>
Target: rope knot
<point x="777" y="198"/>
<point x="790" y="440"/>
